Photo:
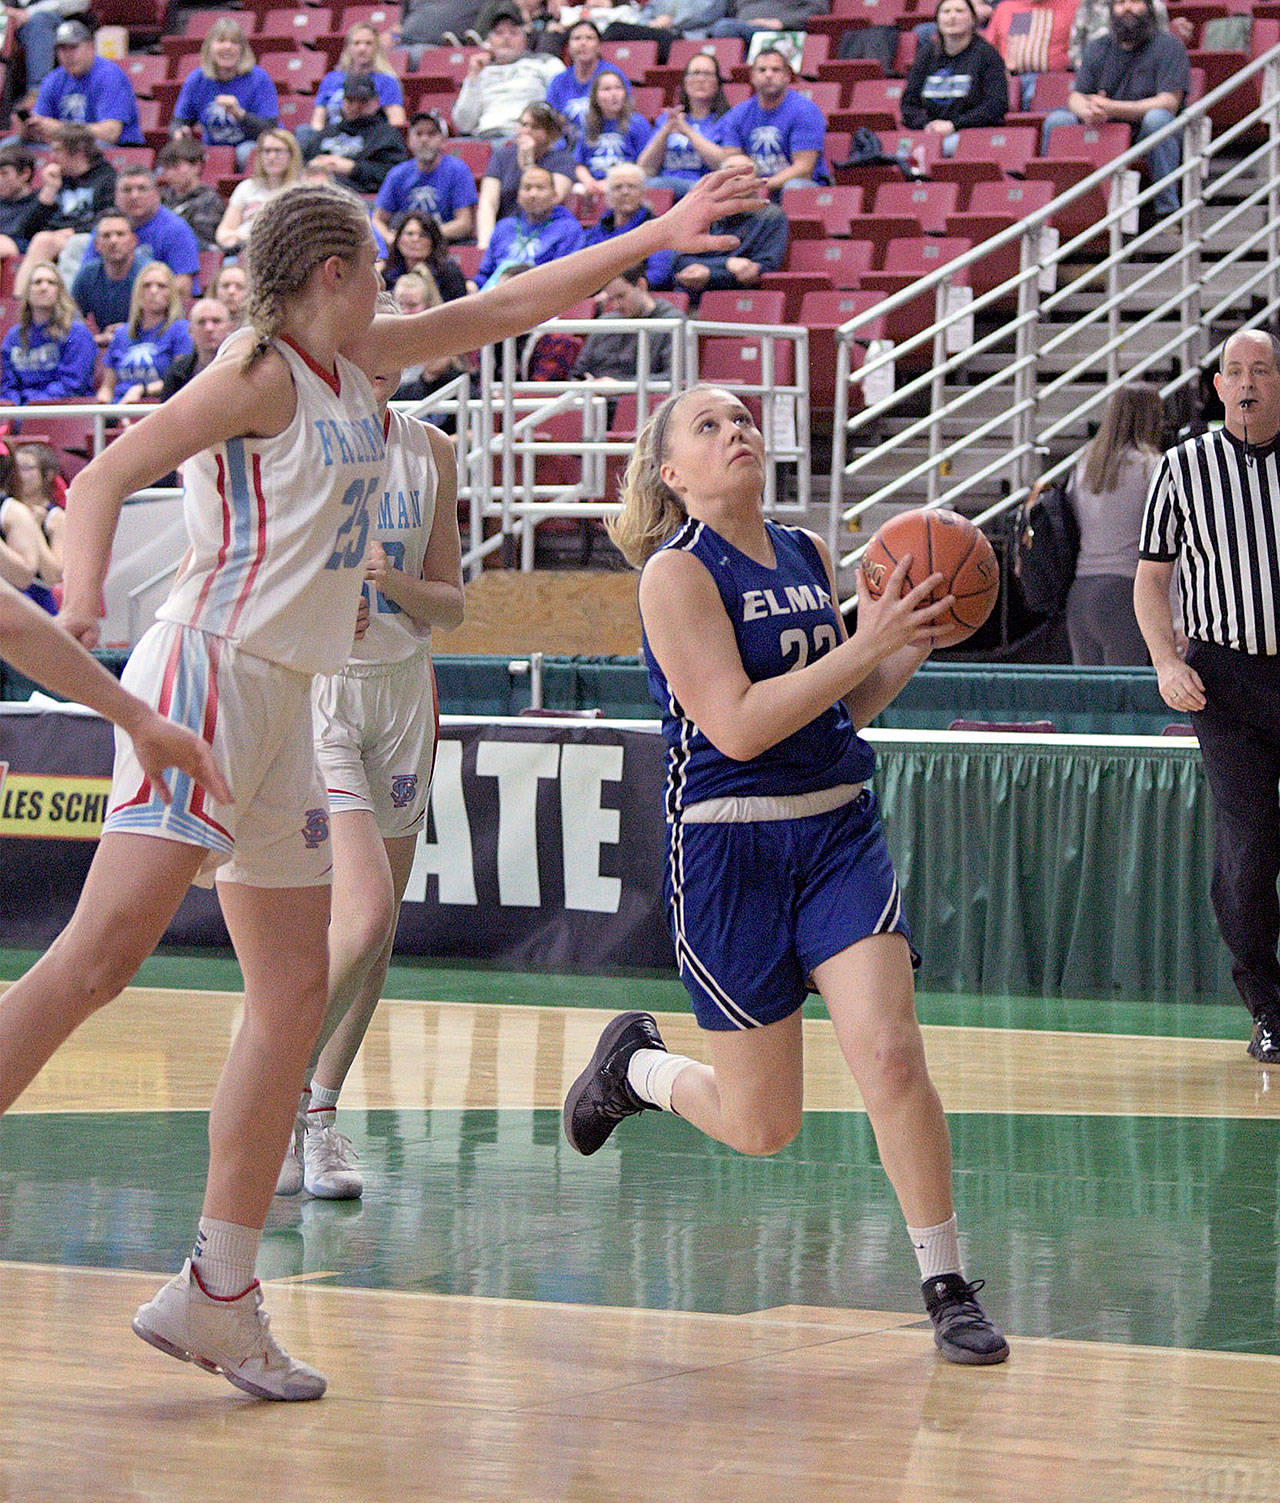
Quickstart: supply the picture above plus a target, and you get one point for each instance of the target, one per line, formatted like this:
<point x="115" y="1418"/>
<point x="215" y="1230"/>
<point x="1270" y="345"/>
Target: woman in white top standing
<point x="283" y="455"/>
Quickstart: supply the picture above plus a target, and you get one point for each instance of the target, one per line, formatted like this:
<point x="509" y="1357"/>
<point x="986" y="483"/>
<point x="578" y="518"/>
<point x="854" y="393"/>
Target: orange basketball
<point x="939" y="542"/>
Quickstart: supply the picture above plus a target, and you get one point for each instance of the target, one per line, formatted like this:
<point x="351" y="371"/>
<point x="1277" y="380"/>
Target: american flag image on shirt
<point x="1026" y="48"/>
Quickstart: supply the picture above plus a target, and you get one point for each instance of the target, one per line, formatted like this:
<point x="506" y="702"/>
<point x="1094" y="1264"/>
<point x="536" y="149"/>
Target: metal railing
<point x="510" y="495"/>
<point x="1207" y="290"/>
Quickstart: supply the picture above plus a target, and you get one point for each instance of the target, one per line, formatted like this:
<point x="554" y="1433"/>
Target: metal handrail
<point x="1192" y="303"/>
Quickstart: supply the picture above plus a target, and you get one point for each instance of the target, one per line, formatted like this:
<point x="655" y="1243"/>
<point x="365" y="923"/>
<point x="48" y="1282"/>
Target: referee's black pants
<point x="1239" y="735"/>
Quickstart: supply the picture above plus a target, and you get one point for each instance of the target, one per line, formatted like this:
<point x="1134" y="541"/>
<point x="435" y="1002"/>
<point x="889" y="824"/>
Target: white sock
<point x="225" y="1256"/>
<point x="651" y="1073"/>
<point x="304" y="1105"/>
<point x="937" y="1250"/>
<point x="323" y="1110"/>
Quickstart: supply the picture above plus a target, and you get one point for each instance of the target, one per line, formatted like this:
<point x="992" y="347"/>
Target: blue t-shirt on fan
<point x="613" y="146"/>
<point x="171" y="239"/>
<point x="568" y="97"/>
<point x="771" y="138"/>
<point x="448" y="187"/>
<point x="103" y="93"/>
<point x="145" y="356"/>
<point x="218" y="127"/>
<point x="680" y="159"/>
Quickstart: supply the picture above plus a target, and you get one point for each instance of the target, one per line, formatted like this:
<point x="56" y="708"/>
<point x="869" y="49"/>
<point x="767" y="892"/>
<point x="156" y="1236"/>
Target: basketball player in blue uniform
<point x="284" y="454"/>
<point x="778" y="877"/>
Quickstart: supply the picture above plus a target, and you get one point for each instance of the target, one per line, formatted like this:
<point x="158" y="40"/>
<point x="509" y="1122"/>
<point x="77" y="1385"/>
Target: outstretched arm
<point x="35" y="645"/>
<point x="515" y="305"/>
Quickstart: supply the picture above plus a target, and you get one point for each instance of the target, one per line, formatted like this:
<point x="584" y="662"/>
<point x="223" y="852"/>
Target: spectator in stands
<point x="1031" y="37"/>
<point x="624" y="193"/>
<point x="37" y="23"/>
<point x="415" y="292"/>
<point x="169" y="238"/>
<point x="1139" y="76"/>
<point x="144" y="348"/>
<point x="1109" y="493"/>
<point x="363" y="53"/>
<point x="1093" y="23"/>
<point x="49" y="353"/>
<point x="676" y="155"/>
<point x="26" y="561"/>
<point x="277" y="164"/>
<point x="38" y="479"/>
<point x="615" y="357"/>
<point x="76" y="184"/>
<point x="762" y="246"/>
<point x="568" y="93"/>
<point x="209" y="324"/>
<point x="539" y="231"/>
<point x="781" y="131"/>
<point x="363" y="146"/>
<point x="502" y="79"/>
<point x="612" y="132"/>
<point x="20" y="207"/>
<point x="35" y="531"/>
<point x="751" y="16"/>
<point x="85" y="89"/>
<point x="432" y="183"/>
<point x="436" y="23"/>
<point x="537" y="144"/>
<point x="180" y="168"/>
<point x="232" y="290"/>
<point x="228" y="97"/>
<point x="103" y="288"/>
<point x="956" y="80"/>
<point x="416" y="244"/>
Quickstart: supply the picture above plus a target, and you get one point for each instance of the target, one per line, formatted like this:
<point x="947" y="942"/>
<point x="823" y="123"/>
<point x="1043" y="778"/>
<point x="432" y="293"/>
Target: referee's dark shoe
<point x="961" y="1329"/>
<point x="1264" y="1046"/>
<point x="601" y="1097"/>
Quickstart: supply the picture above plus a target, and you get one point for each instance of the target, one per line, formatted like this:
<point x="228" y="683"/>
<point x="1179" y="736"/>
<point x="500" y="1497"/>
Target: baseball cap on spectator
<point x="436" y="119"/>
<point x="503" y="10"/>
<point x="71" y="34"/>
<point x="359" y="86"/>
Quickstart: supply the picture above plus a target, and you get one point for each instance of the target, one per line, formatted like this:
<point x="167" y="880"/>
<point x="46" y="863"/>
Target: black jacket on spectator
<point x="373" y="145"/>
<point x="971" y="88"/>
<point x="20" y="218"/>
<point x="80" y="200"/>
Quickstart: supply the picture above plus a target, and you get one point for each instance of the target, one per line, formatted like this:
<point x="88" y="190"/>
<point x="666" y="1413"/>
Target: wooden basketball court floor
<point x="502" y="1320"/>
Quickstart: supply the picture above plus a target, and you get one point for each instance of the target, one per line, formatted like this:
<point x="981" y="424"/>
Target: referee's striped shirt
<point x="1217" y="512"/>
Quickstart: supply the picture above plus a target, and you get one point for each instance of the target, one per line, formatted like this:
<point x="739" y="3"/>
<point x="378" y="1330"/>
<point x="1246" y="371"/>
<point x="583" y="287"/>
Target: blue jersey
<point x="145" y="356"/>
<point x="783" y="618"/>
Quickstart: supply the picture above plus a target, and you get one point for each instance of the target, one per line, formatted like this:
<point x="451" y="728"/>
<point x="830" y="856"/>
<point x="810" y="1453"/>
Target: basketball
<point x="939" y="542"/>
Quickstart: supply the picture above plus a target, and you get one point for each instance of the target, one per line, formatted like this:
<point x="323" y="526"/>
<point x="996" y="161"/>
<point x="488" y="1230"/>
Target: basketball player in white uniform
<point x="376" y="724"/>
<point x="288" y="455"/>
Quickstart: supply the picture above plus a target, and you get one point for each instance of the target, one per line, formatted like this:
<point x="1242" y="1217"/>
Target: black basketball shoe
<point x="961" y="1329"/>
<point x="601" y="1097"/>
<point x="1264" y="1046"/>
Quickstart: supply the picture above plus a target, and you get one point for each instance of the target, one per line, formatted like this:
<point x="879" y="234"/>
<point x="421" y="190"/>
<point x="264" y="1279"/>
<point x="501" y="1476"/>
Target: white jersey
<point x="403" y="527"/>
<point x="279" y="526"/>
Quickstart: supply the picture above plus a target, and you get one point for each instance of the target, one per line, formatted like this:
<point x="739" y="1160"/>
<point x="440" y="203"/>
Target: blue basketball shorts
<point x="755" y="907"/>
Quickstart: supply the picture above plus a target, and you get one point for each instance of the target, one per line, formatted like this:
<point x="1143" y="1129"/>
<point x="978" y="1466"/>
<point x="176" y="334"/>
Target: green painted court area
<point x="1152" y="1231"/>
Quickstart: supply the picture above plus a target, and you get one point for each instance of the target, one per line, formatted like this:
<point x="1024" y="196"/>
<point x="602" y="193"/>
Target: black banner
<point x="543" y="847"/>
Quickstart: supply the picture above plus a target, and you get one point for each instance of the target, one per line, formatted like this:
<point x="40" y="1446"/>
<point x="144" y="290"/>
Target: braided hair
<point x="291" y="234"/>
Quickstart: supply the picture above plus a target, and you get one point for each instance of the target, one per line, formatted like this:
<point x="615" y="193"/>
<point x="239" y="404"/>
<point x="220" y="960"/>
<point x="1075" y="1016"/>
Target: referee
<point x="1214" y="511"/>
